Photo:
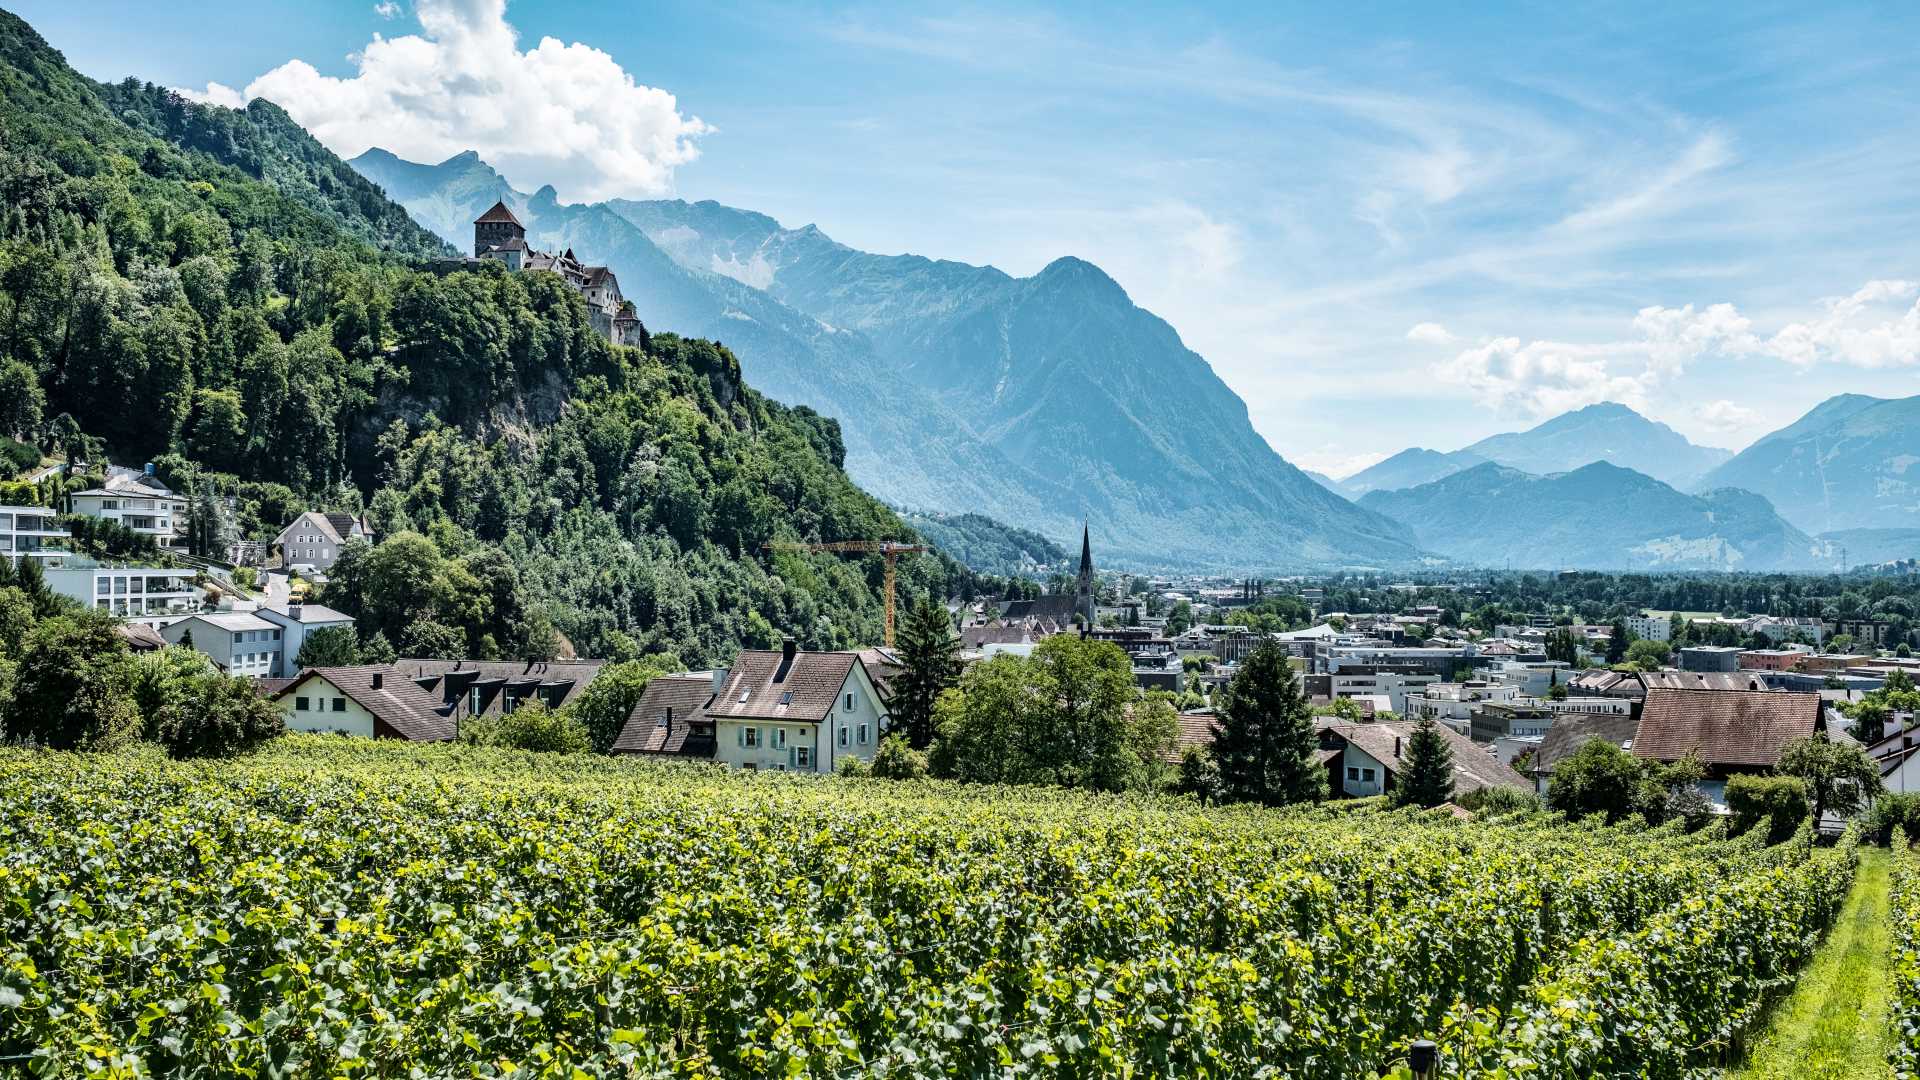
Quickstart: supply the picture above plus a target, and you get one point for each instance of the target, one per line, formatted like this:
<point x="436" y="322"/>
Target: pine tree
<point x="1617" y="643"/>
<point x="1427" y="778"/>
<point x="1264" y="739"/>
<point x="930" y="664"/>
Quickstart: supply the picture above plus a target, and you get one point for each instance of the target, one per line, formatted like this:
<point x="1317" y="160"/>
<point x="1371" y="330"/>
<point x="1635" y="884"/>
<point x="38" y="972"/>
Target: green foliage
<point x="1598" y="778"/>
<point x="1066" y="715"/>
<point x="1891" y="811"/>
<point x="1265" y="739"/>
<point x="896" y="759"/>
<point x="1777" y="803"/>
<point x="1905" y="917"/>
<point x="329" y="646"/>
<point x="72" y="689"/>
<point x="1200" y="775"/>
<point x="986" y="546"/>
<point x="533" y="726"/>
<point x="215" y="716"/>
<point x="1498" y="799"/>
<point x="1427" y="779"/>
<point x="516" y="893"/>
<point x="166" y="675"/>
<point x="1648" y="655"/>
<point x="603" y="706"/>
<point x="929" y="654"/>
<point x="1840" y="777"/>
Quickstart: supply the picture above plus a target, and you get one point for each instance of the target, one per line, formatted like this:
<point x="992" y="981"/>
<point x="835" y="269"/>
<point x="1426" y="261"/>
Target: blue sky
<point x="1384" y="225"/>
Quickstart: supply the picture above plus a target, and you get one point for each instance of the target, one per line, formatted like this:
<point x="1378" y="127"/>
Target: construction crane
<point x="888" y="549"/>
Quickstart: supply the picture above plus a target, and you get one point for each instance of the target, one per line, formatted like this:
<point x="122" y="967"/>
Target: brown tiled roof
<point x="449" y="681"/>
<point x="1196" y="729"/>
<point x="685" y="698"/>
<point x="1474" y="766"/>
<point x="1571" y="731"/>
<point x="763" y="686"/>
<point x="973" y="637"/>
<point x="498" y="212"/>
<point x="141" y="637"/>
<point x="1702" y="680"/>
<point x="1604" y="681"/>
<point x="1727" y="727"/>
<point x="398" y="704"/>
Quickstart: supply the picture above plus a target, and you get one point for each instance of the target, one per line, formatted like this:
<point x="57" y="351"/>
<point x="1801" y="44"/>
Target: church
<point x="499" y="236"/>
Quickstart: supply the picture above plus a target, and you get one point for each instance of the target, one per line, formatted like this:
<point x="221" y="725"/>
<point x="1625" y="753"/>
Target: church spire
<point x="1083" y="591"/>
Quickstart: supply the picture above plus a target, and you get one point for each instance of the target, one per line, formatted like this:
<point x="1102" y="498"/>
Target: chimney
<point x="669" y="719"/>
<point x="788" y="647"/>
<point x="1396" y="747"/>
<point x="379" y="677"/>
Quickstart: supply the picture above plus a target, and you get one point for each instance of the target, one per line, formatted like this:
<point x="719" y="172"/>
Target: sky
<point x="1384" y="225"/>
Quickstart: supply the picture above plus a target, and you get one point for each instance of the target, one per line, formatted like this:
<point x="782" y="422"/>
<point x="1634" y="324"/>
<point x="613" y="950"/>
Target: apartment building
<point x="240" y="642"/>
<point x="144" y="594"/>
<point x="32" y="532"/>
<point x="139" y="501"/>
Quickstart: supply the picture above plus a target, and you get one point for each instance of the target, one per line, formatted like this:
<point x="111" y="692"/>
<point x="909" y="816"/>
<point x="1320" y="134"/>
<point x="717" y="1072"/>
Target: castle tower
<point x="1083" y="589"/>
<point x="495" y="228"/>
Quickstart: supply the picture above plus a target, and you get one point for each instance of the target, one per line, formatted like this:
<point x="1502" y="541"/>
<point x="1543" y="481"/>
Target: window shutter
<point x="740" y="736"/>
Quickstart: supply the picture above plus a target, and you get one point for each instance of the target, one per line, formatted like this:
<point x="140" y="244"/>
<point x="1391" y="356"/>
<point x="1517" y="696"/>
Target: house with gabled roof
<point x="1367" y="758"/>
<point x="785" y="709"/>
<point x="372" y="701"/>
<point x="315" y="538"/>
<point x="670" y="719"/>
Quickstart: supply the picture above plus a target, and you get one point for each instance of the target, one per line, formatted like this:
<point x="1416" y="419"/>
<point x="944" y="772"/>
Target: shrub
<point x="533" y="726"/>
<point x="216" y="716"/>
<point x="852" y="767"/>
<point x="1894" y="810"/>
<point x="1779" y="801"/>
<point x="73" y="687"/>
<point x="1495" y="799"/>
<point x="896" y="759"/>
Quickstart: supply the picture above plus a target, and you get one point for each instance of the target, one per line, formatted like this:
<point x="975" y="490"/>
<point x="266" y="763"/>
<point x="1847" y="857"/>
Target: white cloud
<point x="1543" y="377"/>
<point x="563" y="114"/>
<point x="1336" y="461"/>
<point x="1429" y="333"/>
<point x="1725" y="416"/>
<point x="386" y="9"/>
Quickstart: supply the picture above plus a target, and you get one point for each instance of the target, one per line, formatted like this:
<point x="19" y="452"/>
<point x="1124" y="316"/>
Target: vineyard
<point x="348" y="909"/>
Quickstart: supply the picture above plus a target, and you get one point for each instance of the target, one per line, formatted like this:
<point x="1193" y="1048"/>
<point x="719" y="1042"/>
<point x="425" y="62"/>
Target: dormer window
<point x="786" y="697"/>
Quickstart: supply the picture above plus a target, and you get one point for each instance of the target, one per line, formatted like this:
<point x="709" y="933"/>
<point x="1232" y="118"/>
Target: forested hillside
<point x="214" y="291"/>
<point x="987" y="546"/>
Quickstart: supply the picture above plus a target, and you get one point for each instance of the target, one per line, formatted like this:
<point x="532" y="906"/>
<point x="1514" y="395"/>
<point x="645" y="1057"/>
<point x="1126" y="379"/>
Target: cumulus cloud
<point x="386" y="9"/>
<point x="1877" y="326"/>
<point x="563" y="114"/>
<point x="1429" y="333"/>
<point x="1724" y="416"/>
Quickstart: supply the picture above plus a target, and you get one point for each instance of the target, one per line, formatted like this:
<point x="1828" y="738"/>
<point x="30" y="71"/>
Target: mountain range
<point x="1599" y="516"/>
<point x="1608" y="432"/>
<point x="1847" y="464"/>
<point x="1044" y="401"/>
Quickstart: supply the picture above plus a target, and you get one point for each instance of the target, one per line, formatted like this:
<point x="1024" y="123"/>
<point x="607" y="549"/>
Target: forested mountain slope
<point x="1041" y="401"/>
<point x="215" y="292"/>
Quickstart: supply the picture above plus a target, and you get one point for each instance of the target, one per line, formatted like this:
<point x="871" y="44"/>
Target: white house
<point x="139" y="501"/>
<point x="315" y="539"/>
<point x="1649" y="627"/>
<point x="295" y="622"/>
<point x="145" y="594"/>
<point x="33" y="532"/>
<point x="240" y="642"/>
<point x="790" y="710"/>
<point x="373" y="701"/>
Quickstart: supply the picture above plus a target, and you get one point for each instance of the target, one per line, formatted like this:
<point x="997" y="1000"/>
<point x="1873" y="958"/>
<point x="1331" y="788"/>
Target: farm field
<point x="334" y="908"/>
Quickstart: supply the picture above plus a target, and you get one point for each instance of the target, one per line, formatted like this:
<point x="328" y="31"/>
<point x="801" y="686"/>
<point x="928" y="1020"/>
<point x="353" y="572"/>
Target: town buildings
<point x="32" y="532"/>
<point x="314" y="540"/>
<point x="499" y="236"/>
<point x="137" y="500"/>
<point x="786" y="709"/>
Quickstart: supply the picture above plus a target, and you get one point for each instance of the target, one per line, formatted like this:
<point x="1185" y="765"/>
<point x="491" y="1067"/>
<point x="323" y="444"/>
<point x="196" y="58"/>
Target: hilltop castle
<point x="499" y="236"/>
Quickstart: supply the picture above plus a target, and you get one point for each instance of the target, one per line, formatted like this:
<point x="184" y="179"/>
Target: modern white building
<point x="143" y="594"/>
<point x="138" y="501"/>
<point x="1398" y="687"/>
<point x="1649" y="627"/>
<point x="787" y="710"/>
<point x="33" y="532"/>
<point x="1451" y="704"/>
<point x="240" y="642"/>
<point x="293" y="622"/>
<point x="1535" y="678"/>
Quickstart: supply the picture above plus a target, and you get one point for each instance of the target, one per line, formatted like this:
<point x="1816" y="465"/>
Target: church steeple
<point x="1083" y="590"/>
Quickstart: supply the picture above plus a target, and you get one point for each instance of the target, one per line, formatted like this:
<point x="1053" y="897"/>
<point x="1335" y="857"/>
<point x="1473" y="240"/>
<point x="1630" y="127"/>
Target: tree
<point x="73" y="686"/>
<point x="216" y="716"/>
<point x="1617" y="642"/>
<point x="429" y="640"/>
<point x="533" y="726"/>
<point x="21" y="401"/>
<point x="929" y="658"/>
<point x="1870" y="721"/>
<point x="1779" y="801"/>
<point x="1427" y="777"/>
<point x="377" y="650"/>
<point x="603" y="706"/>
<point x="1839" y="778"/>
<point x="1598" y="778"/>
<point x="329" y="646"/>
<point x="165" y="675"/>
<point x="1199" y="775"/>
<point x="896" y="759"/>
<point x="1264" y="738"/>
<point x="1648" y="655"/>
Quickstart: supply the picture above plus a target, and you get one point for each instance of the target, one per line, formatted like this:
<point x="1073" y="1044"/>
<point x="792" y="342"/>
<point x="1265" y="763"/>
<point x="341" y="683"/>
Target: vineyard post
<point x="1420" y="1058"/>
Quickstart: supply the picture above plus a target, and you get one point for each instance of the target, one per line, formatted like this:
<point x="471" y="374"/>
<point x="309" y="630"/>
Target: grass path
<point x="1836" y="1023"/>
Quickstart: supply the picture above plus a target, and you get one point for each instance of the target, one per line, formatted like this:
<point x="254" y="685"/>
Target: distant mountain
<point x="1408" y="468"/>
<point x="986" y="546"/>
<point x="1040" y="401"/>
<point x="1869" y="547"/>
<point x="1608" y="432"/>
<point x="1600" y="517"/>
<point x="1322" y="479"/>
<point x="1847" y="464"/>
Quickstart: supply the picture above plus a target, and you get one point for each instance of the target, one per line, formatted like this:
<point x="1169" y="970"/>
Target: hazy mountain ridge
<point x="1608" y="432"/>
<point x="1599" y="516"/>
<point x="1411" y="467"/>
<point x="1042" y="401"/>
<point x="1849" y="463"/>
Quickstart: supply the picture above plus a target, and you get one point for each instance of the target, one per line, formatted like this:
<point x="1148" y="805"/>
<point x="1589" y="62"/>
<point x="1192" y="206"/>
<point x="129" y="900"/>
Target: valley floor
<point x="1836" y="1022"/>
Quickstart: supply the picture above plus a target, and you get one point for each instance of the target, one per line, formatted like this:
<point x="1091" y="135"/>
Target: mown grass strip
<point x="1835" y="1023"/>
